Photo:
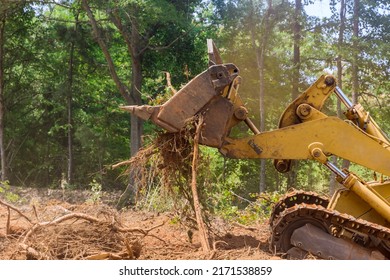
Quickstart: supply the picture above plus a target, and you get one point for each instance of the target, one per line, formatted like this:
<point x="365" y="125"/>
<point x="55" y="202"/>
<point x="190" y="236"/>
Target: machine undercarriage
<point x="302" y="225"/>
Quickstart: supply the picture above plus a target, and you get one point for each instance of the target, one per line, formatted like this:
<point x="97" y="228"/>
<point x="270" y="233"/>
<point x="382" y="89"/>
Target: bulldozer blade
<point x="323" y="245"/>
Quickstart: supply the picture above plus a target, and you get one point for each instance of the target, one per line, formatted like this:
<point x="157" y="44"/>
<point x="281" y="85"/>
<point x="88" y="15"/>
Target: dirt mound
<point x="60" y="230"/>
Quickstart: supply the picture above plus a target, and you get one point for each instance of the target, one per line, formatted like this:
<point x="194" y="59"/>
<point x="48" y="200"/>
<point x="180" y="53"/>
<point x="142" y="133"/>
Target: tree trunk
<point x="355" y="56"/>
<point x="4" y="166"/>
<point x="340" y="44"/>
<point x="297" y="28"/>
<point x="70" y="117"/>
<point x="132" y="97"/>
<point x="130" y="193"/>
<point x="135" y="49"/>
<point x="69" y="106"/>
<point x="110" y="63"/>
<point x="260" y="59"/>
<point x="355" y="38"/>
<point x="136" y="83"/>
<point x="136" y="123"/>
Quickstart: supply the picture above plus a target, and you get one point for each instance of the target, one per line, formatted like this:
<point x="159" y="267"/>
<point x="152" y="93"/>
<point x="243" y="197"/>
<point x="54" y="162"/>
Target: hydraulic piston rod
<point x="336" y="170"/>
<point x="343" y="98"/>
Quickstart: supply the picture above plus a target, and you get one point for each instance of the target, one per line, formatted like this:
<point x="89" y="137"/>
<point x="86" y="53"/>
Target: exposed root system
<point x="169" y="154"/>
<point x="93" y="232"/>
<point x="173" y="158"/>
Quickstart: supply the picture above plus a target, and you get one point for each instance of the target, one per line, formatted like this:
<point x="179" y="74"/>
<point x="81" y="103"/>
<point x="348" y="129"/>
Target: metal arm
<point x="338" y="138"/>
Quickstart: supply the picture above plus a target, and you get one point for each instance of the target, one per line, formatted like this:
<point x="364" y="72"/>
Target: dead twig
<point x="59" y="220"/>
<point x="8" y="230"/>
<point x="158" y="238"/>
<point x="245" y="227"/>
<point x="135" y="248"/>
<point x="106" y="256"/>
<point x="72" y="216"/>
<point x="36" y="213"/>
<point x="16" y="210"/>
<point x="217" y="242"/>
<point x="81" y="236"/>
<point x="212" y="255"/>
<point x="129" y="249"/>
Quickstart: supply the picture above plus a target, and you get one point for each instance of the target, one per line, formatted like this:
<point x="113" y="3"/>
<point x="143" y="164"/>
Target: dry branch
<point x="8" y="231"/>
<point x="204" y="240"/>
<point x="66" y="243"/>
<point x="16" y="210"/>
<point x="245" y="227"/>
<point x="72" y="216"/>
<point x="212" y="255"/>
<point x="59" y="220"/>
<point x="106" y="256"/>
<point x="36" y="213"/>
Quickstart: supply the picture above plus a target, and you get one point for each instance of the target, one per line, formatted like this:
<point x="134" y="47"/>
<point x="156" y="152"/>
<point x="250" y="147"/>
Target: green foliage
<point x="96" y="192"/>
<point x="259" y="210"/>
<point x="6" y="192"/>
<point x="38" y="44"/>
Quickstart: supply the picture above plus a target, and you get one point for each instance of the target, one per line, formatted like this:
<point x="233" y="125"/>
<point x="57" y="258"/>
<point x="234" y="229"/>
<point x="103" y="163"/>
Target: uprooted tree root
<point x="101" y="234"/>
<point x="77" y="235"/>
<point x="175" y="157"/>
<point x="168" y="160"/>
<point x="169" y="152"/>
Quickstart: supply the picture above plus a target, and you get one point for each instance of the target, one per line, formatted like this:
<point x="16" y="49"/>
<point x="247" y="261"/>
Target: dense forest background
<point x="67" y="65"/>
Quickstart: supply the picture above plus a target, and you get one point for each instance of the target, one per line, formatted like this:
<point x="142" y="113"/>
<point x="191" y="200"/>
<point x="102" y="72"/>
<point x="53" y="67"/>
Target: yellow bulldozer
<point x="355" y="222"/>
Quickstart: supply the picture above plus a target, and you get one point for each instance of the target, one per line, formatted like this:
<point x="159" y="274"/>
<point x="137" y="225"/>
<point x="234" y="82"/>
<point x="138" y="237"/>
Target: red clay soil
<point x="61" y="230"/>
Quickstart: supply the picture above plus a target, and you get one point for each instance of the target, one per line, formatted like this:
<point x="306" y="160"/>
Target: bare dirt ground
<point x="53" y="225"/>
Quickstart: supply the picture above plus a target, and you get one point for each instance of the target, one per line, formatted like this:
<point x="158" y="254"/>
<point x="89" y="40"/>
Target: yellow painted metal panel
<point x="345" y="201"/>
<point x="338" y="138"/>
